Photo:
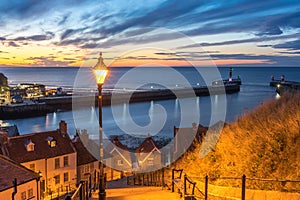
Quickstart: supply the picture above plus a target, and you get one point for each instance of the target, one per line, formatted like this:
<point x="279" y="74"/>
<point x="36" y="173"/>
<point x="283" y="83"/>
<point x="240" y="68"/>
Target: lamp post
<point x="100" y="71"/>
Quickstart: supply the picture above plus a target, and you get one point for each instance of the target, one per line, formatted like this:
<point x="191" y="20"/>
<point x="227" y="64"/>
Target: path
<point x="119" y="190"/>
<point x="138" y="193"/>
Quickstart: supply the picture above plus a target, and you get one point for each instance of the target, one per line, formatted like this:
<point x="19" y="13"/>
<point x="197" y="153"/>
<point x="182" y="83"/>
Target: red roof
<point x="83" y="155"/>
<point x="9" y="170"/>
<point x="116" y="146"/>
<point x="147" y="146"/>
<point x="17" y="149"/>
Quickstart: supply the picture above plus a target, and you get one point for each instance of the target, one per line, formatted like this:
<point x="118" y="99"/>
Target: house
<point x="4" y="95"/>
<point x="184" y="139"/>
<point x="50" y="154"/>
<point x="18" y="181"/>
<point x="88" y="165"/>
<point x="121" y="157"/>
<point x="148" y="155"/>
<point x="11" y="130"/>
<point x="33" y="90"/>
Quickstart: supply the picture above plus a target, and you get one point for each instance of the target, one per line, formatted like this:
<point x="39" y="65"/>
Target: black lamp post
<point x="100" y="72"/>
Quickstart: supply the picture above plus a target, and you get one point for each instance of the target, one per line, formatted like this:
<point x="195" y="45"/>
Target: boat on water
<point x="230" y="80"/>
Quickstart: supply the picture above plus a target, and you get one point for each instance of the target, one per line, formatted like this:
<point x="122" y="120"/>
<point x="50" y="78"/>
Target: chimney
<point x="84" y="136"/>
<point x="63" y="127"/>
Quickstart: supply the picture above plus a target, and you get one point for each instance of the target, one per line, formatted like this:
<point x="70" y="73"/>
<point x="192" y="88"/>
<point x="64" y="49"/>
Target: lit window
<point x="32" y="167"/>
<point x="57" y="179"/>
<point x="150" y="161"/>
<point x="51" y="141"/>
<point x="86" y="169"/>
<point x="120" y="162"/>
<point x="29" y="145"/>
<point x="23" y="195"/>
<point x="66" y="177"/>
<point x="30" y="193"/>
<point x="57" y="164"/>
<point x="66" y="161"/>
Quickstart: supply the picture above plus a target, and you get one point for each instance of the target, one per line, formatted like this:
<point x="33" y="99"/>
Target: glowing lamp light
<point x="100" y="75"/>
<point x="100" y="70"/>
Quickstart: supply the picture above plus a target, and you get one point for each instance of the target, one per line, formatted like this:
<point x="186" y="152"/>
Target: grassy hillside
<point x="262" y="144"/>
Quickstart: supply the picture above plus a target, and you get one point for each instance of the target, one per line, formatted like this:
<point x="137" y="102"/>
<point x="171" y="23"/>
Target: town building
<point x="33" y="90"/>
<point x="51" y="154"/>
<point x="18" y="181"/>
<point x="185" y="138"/>
<point x="88" y="164"/>
<point x="10" y="130"/>
<point x="148" y="155"/>
<point x="121" y="157"/>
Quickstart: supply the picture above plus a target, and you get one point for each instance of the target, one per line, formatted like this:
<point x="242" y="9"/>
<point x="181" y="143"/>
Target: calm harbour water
<point x="254" y="91"/>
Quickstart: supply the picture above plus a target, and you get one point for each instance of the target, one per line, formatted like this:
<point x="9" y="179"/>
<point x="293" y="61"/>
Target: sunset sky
<point x="133" y="33"/>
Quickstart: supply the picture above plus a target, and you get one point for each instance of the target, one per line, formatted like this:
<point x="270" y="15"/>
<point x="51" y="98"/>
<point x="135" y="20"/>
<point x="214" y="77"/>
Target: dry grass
<point x="262" y="144"/>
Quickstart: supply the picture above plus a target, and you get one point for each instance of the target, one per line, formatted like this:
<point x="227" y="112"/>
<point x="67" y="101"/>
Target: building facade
<point x="17" y="181"/>
<point x="51" y="154"/>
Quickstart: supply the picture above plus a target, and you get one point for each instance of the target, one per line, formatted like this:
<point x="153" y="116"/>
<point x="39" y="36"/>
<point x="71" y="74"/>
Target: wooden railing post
<point x="173" y="170"/>
<point x="163" y="177"/>
<point x="206" y="188"/>
<point x="244" y="187"/>
<point x="184" y="185"/>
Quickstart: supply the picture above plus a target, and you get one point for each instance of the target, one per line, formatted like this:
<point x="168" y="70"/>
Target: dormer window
<point x="29" y="145"/>
<point x="51" y="141"/>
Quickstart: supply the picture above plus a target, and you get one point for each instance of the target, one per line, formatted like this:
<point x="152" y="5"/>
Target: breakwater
<point x="24" y="110"/>
<point x="44" y="105"/>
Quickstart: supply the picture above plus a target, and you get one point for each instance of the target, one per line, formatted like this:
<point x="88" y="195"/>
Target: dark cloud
<point x="77" y="41"/>
<point x="63" y="20"/>
<point x="69" y="32"/>
<point x="66" y="33"/>
<point x="12" y="44"/>
<point x="273" y="60"/>
<point x="150" y="58"/>
<point x="163" y="14"/>
<point x="48" y="61"/>
<point x="90" y="46"/>
<point x="292" y="45"/>
<point x="30" y="9"/>
<point x="250" y="40"/>
<point x="264" y="45"/>
<point x="47" y="36"/>
<point x="291" y="52"/>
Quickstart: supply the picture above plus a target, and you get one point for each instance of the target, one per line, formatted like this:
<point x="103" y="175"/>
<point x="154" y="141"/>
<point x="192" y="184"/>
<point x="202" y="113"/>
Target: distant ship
<point x="231" y="80"/>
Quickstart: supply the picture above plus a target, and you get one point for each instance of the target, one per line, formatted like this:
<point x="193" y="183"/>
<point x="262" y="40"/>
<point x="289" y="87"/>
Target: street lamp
<point x="100" y="71"/>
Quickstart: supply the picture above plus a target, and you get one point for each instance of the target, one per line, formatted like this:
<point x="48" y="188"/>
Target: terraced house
<point x="50" y="154"/>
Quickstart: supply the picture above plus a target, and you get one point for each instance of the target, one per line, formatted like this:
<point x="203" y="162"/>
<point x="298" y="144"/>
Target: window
<point x="66" y="161"/>
<point x="23" y="195"/>
<point x="66" y="177"/>
<point x="120" y="162"/>
<point x="57" y="179"/>
<point x="51" y="141"/>
<point x="30" y="193"/>
<point x="150" y="161"/>
<point x="57" y="164"/>
<point x="86" y="169"/>
<point x="32" y="167"/>
<point x="29" y="145"/>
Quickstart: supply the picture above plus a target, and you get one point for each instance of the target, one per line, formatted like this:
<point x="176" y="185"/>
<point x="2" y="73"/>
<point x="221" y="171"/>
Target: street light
<point x="100" y="71"/>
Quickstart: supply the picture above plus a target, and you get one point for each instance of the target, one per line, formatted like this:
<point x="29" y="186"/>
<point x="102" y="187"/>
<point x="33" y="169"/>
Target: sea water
<point x="145" y="116"/>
